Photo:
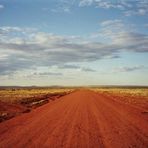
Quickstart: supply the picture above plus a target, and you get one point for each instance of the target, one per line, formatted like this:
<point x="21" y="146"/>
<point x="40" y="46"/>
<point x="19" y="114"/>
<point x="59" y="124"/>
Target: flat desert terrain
<point x="81" y="119"/>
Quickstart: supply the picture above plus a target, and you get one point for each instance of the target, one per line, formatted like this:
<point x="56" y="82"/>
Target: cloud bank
<point x="130" y="68"/>
<point x="26" y="48"/>
<point x="128" y="7"/>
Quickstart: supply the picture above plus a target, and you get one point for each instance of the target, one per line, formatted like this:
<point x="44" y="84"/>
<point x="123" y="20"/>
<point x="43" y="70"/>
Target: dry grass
<point x="15" y="101"/>
<point x="134" y="96"/>
<point x="16" y="95"/>
<point x="132" y="92"/>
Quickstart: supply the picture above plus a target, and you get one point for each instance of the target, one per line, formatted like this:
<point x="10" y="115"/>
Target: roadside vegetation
<point x="15" y="101"/>
<point x="135" y="96"/>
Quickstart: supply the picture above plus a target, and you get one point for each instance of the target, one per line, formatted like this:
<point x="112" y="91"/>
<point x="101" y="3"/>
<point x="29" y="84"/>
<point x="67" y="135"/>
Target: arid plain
<point x="70" y="117"/>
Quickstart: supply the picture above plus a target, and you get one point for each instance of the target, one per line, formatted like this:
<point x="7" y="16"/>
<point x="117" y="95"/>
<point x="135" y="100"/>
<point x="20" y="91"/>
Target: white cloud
<point x="121" y="35"/>
<point x="86" y="69"/>
<point x="128" y="7"/>
<point x="85" y="3"/>
<point x="106" y="4"/>
<point x="47" y="74"/>
<point x="61" y="9"/>
<point x="32" y="48"/>
<point x="1" y="6"/>
<point x="129" y="68"/>
<point x="75" y="67"/>
<point x="63" y="6"/>
<point x="113" y="26"/>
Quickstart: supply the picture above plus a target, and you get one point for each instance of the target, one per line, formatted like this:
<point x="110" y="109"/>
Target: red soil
<point x="82" y="119"/>
<point x="9" y="110"/>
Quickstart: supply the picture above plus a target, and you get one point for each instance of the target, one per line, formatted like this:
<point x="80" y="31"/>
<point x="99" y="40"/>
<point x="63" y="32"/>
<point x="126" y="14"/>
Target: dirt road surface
<point x="82" y="119"/>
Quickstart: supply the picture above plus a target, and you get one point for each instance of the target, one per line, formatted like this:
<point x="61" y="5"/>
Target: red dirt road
<point x="82" y="119"/>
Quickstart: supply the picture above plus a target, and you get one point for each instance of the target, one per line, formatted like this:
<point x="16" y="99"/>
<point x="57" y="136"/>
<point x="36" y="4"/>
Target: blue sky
<point x="73" y="42"/>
